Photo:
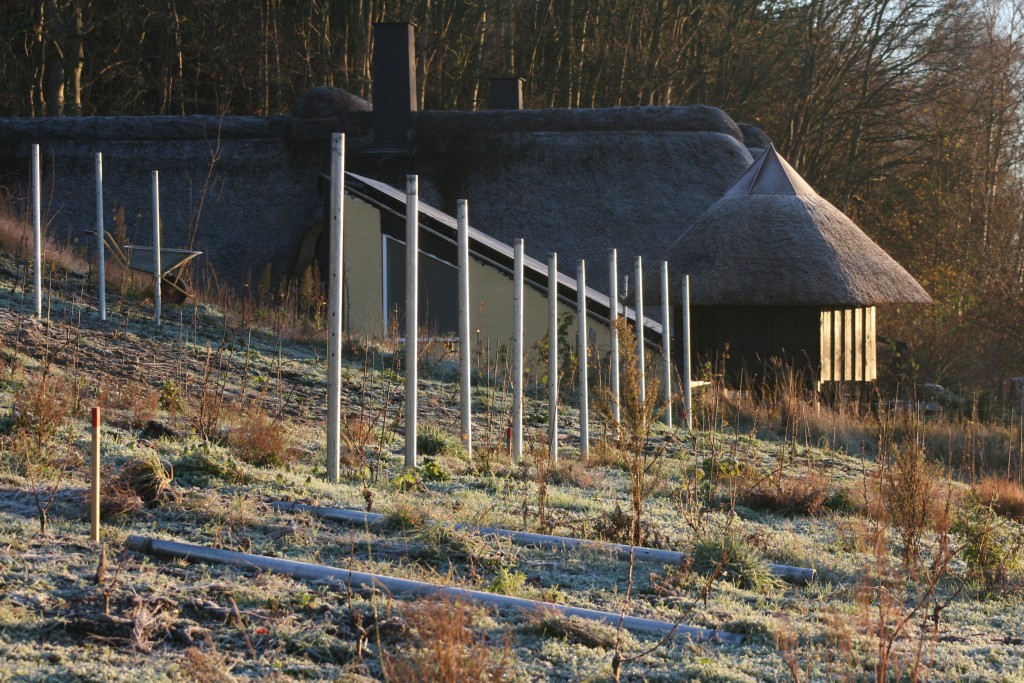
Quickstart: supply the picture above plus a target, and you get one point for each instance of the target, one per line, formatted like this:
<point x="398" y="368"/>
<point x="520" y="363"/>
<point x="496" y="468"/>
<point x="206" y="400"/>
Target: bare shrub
<point x="908" y="493"/>
<point x="42" y="408"/>
<point x="447" y="647"/>
<point x="783" y="493"/>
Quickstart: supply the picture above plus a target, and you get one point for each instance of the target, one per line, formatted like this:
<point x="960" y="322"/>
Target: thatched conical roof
<point x="771" y="240"/>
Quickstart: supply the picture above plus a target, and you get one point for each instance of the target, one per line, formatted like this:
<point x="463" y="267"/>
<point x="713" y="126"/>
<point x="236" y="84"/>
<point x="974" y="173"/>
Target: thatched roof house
<point x="777" y="271"/>
<point x="577" y="182"/>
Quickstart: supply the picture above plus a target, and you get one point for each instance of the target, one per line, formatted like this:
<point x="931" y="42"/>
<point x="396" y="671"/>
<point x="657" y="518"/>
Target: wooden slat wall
<point x="848" y="345"/>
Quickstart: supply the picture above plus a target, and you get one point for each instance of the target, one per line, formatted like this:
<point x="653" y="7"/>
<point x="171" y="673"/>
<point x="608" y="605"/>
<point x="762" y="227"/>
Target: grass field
<point x="214" y="416"/>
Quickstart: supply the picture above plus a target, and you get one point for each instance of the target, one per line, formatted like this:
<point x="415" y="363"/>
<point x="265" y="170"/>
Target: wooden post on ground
<point x="157" y="267"/>
<point x="412" y="247"/>
<point x="581" y="311"/>
<point x="94" y="499"/>
<point x="465" y="373"/>
<point x="37" y="234"/>
<point x="553" y="357"/>
<point x="334" y="306"/>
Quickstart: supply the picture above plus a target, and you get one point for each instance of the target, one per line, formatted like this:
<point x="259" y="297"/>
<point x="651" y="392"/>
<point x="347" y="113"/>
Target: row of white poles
<point x="101" y="270"/>
<point x="412" y="331"/>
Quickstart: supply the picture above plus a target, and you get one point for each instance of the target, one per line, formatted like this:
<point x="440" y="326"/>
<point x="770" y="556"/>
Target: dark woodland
<point x="905" y="114"/>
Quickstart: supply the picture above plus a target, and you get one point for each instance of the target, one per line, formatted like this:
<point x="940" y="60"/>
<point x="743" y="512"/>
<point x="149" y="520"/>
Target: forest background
<point x="906" y="114"/>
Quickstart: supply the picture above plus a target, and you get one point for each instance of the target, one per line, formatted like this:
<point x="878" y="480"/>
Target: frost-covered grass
<point x="177" y="394"/>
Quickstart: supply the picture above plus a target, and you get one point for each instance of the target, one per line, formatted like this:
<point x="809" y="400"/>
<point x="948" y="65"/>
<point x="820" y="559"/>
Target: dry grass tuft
<point x="447" y="647"/>
<point x="781" y="493"/>
<point x="16" y="240"/>
<point x="259" y="440"/>
<point x="1004" y="496"/>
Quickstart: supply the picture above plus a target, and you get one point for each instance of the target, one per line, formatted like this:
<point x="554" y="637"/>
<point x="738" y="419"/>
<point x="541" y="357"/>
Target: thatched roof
<point x="580" y="182"/>
<point x="771" y="240"/>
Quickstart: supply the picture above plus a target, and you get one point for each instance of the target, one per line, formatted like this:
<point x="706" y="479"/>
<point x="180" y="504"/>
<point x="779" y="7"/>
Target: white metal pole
<point x="101" y="252"/>
<point x="666" y="341"/>
<point x="517" y="353"/>
<point x="581" y="310"/>
<point x="465" y="399"/>
<point x="157" y="269"/>
<point x="334" y="306"/>
<point x="687" y="388"/>
<point x="37" y="233"/>
<point x="639" y="309"/>
<point x="613" y="316"/>
<point x="412" y="247"/>
<point x="553" y="357"/>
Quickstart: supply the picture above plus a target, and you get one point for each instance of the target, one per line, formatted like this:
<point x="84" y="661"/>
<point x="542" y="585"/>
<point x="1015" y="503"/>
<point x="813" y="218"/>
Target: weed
<point x="402" y="516"/>
<point x="734" y="560"/>
<point x="148" y="478"/>
<point x="1003" y="495"/>
<point x="507" y="581"/>
<point x="42" y="410"/>
<point x="432" y="470"/>
<point x="783" y="493"/>
<point x="171" y="398"/>
<point x="447" y="647"/>
<point x="908" y="490"/>
<point x="431" y="441"/>
<point x="991" y="546"/>
<point x="259" y="440"/>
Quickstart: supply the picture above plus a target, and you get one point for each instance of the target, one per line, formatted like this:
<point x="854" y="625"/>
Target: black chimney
<point x="394" y="84"/>
<point x="506" y="93"/>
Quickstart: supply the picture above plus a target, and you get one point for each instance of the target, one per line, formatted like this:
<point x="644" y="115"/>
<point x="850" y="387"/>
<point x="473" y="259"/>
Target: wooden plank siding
<point x="830" y="345"/>
<point x="848" y="345"/>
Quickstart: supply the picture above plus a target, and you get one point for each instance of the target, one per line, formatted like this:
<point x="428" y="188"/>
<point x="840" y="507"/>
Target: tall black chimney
<point x="506" y="93"/>
<point x="394" y="84"/>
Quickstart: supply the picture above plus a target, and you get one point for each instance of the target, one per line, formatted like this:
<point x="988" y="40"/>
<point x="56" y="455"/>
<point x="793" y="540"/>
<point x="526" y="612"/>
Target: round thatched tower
<point x="777" y="272"/>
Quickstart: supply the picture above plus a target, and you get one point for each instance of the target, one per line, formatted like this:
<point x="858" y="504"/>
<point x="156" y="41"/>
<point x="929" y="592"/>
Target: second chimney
<point x="394" y="84"/>
<point x="506" y="93"/>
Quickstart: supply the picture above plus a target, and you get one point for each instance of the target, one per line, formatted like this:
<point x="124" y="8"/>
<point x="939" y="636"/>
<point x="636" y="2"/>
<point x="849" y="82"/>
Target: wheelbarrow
<point x="140" y="260"/>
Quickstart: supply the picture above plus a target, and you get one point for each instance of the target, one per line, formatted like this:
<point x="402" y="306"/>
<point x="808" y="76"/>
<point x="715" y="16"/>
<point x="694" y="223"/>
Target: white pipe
<point x="517" y="352"/>
<point x="553" y="357"/>
<point x="797" y="575"/>
<point x="157" y="266"/>
<point x="666" y="349"/>
<point x="37" y="233"/>
<point x="409" y="587"/>
<point x="613" y="316"/>
<point x="412" y="247"/>
<point x="465" y="373"/>
<point x="581" y="343"/>
<point x="640" y="346"/>
<point x="687" y="381"/>
<point x="101" y="250"/>
<point x="334" y="306"/>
